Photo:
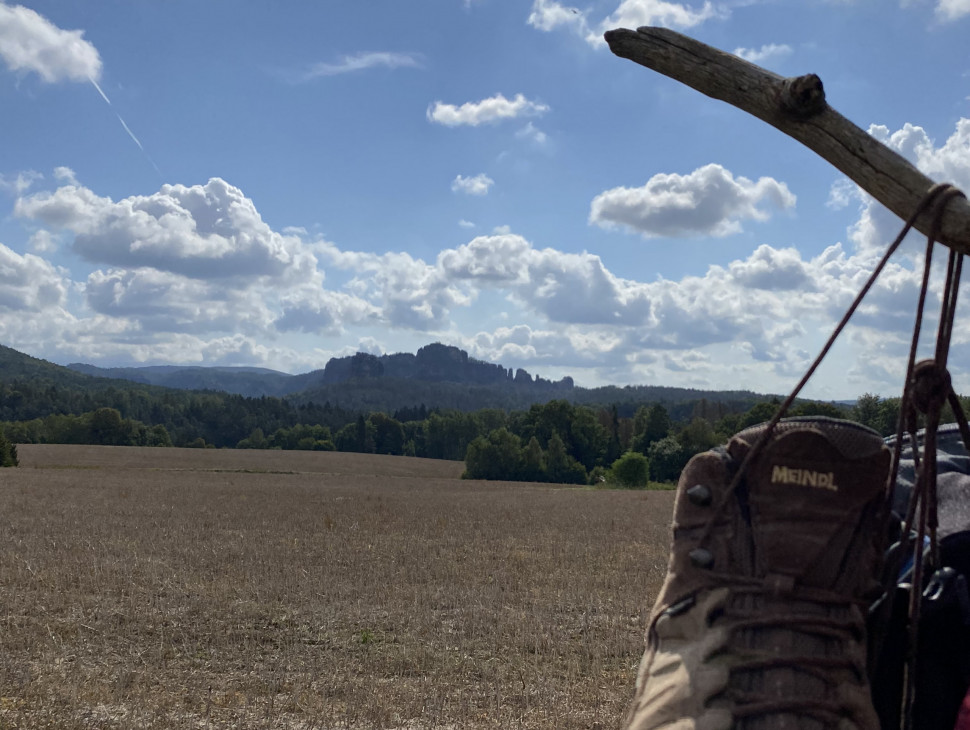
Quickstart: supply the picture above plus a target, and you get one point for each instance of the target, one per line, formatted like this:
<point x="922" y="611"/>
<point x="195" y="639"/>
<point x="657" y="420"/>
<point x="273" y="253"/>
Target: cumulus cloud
<point x="65" y="175"/>
<point x="477" y="185"/>
<point x="43" y="241"/>
<point x="950" y="162"/>
<point x="569" y="307"/>
<point x="761" y="56"/>
<point x="28" y="283"/>
<point x="773" y="269"/>
<point x="200" y="231"/>
<point x="525" y="346"/>
<point x="29" y="42"/>
<point x="493" y="109"/>
<point x="561" y="287"/>
<point x="708" y="202"/>
<point x="325" y="312"/>
<point x="841" y="193"/>
<point x="165" y="302"/>
<point x="634" y="13"/>
<point x="192" y="273"/>
<point x="362" y="62"/>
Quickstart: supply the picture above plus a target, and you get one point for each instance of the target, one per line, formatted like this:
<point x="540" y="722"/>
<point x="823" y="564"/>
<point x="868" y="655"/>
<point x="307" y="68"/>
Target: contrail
<point x="126" y="127"/>
<point x="103" y="95"/>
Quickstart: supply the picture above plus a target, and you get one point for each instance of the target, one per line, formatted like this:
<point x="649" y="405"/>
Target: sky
<point x="275" y="184"/>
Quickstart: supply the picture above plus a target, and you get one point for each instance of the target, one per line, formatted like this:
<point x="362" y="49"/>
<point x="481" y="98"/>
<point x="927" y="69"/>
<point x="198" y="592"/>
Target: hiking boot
<point x="760" y="622"/>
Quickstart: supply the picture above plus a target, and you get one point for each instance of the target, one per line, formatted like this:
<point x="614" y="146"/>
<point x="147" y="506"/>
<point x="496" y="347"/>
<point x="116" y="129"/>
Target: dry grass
<point x="176" y="588"/>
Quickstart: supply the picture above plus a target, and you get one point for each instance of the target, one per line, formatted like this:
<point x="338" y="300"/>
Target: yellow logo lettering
<point x="803" y="477"/>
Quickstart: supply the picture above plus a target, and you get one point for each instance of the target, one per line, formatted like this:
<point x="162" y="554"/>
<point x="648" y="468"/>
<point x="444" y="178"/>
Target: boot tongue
<point x="806" y="498"/>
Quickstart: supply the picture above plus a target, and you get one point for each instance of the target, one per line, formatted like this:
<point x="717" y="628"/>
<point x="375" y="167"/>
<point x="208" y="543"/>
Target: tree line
<point x="558" y="441"/>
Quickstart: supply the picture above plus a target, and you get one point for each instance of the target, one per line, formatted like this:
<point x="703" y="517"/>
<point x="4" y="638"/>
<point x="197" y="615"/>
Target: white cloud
<point x="951" y="162"/>
<point x="952" y="9"/>
<point x="466" y="224"/>
<point x="43" y="241"/>
<point x="28" y="283"/>
<point x="709" y="201"/>
<point x="164" y="302"/>
<point x="477" y="185"/>
<point x="370" y="346"/>
<point x="65" y="175"/>
<point x="760" y="56"/>
<point x="200" y="231"/>
<point x="634" y="13"/>
<point x="193" y="274"/>
<point x="773" y="269"/>
<point x="362" y="62"/>
<point x="30" y="42"/>
<point x="548" y="15"/>
<point x="327" y="312"/>
<point x="841" y="193"/>
<point x="493" y="109"/>
<point x="525" y="346"/>
<point x="877" y="226"/>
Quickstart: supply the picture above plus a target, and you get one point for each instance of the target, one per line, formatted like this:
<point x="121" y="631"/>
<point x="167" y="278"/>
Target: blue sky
<point x="252" y="183"/>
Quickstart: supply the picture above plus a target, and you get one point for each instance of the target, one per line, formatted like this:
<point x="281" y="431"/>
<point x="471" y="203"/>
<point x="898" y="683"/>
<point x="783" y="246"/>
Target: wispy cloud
<point x="533" y="133"/>
<point x="361" y="62"/>
<point x="19" y="185"/>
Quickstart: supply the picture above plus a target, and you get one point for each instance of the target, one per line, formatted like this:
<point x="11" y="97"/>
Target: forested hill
<point x="360" y="403"/>
<point x="251" y="382"/>
<point x="437" y="375"/>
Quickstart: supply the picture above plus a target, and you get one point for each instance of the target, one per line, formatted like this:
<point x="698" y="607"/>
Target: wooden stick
<point x="797" y="107"/>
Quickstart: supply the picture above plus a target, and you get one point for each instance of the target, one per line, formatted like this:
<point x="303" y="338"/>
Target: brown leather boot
<point x="760" y="622"/>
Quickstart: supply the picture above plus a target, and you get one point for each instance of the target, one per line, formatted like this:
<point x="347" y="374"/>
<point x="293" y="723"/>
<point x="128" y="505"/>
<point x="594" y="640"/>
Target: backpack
<point x="942" y="663"/>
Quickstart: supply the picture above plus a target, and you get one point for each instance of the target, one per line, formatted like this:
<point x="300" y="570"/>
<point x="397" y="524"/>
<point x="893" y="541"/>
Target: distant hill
<point x="436" y="376"/>
<point x="221" y="406"/>
<point x="248" y="381"/>
<point x="15" y="364"/>
<point x="435" y="363"/>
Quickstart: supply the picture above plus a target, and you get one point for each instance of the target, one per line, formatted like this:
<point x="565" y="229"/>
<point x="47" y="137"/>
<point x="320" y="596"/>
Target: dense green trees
<point x="8" y="452"/>
<point x="631" y="470"/>
<point x="103" y="426"/>
<point x="559" y="440"/>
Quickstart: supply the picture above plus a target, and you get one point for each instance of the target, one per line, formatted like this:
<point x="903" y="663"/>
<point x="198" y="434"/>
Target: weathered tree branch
<point x="797" y="107"/>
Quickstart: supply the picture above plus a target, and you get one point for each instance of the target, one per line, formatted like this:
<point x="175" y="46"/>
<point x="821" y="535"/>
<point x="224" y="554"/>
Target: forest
<point x="620" y="436"/>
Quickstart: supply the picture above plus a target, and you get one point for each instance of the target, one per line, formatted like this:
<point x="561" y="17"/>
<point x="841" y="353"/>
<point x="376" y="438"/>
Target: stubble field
<point x="179" y="588"/>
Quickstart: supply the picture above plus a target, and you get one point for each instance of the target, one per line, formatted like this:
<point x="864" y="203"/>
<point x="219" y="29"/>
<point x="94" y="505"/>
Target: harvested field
<point x="182" y="588"/>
